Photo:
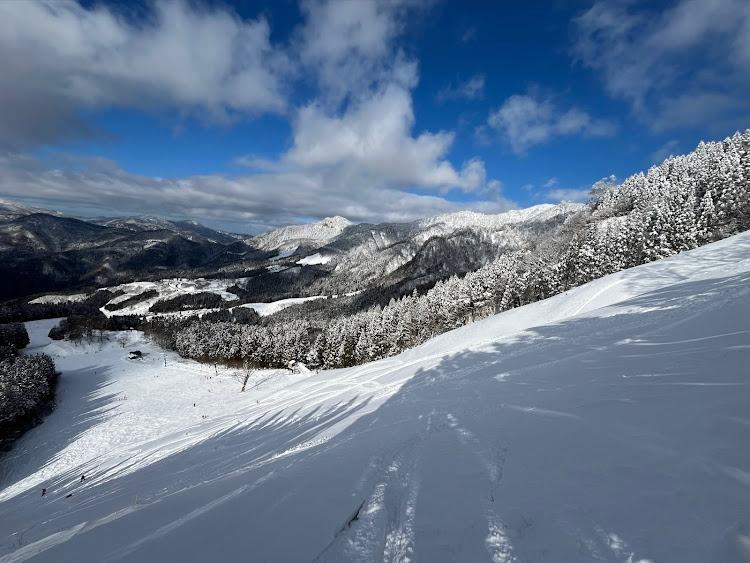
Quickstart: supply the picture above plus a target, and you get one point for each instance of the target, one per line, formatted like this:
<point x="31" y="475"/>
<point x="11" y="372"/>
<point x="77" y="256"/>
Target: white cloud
<point x="350" y="46"/>
<point x="247" y="203"/>
<point x="686" y="65"/>
<point x="569" y="194"/>
<point x="551" y="183"/>
<point x="472" y="89"/>
<point x="58" y="58"/>
<point x="524" y="121"/>
<point x="374" y="139"/>
<point x="353" y="150"/>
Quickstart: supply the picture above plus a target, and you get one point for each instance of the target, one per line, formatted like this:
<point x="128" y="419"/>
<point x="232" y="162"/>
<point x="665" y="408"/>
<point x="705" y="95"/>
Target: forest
<point x="27" y="384"/>
<point x="685" y="202"/>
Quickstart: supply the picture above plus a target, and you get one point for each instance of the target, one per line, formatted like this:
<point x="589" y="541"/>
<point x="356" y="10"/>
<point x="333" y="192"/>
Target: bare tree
<point x="244" y="375"/>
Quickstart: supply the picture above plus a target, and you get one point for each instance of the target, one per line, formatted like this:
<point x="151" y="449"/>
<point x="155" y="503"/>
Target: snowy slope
<point x="451" y="222"/>
<point x="167" y="289"/>
<point x="438" y="247"/>
<point x="609" y="423"/>
<point x="316" y="234"/>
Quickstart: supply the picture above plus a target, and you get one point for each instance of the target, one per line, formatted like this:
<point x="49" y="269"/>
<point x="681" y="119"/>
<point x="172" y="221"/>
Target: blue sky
<point x="251" y="116"/>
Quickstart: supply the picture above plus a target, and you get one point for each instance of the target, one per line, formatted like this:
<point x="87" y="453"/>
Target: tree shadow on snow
<point x="598" y="437"/>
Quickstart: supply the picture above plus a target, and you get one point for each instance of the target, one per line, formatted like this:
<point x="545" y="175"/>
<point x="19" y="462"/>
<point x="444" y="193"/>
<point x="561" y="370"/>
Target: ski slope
<point x="610" y="423"/>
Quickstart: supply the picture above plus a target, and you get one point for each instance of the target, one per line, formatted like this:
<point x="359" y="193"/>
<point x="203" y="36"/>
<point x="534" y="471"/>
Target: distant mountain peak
<point x="335" y="222"/>
<point x="316" y="233"/>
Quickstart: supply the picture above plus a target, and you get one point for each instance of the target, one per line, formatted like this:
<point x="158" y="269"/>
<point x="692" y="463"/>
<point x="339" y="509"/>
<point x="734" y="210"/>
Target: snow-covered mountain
<point x="46" y="251"/>
<point x="429" y="249"/>
<point x="606" y="423"/>
<point x="10" y="210"/>
<point x="49" y="252"/>
<point x="192" y="230"/>
<point x="311" y="234"/>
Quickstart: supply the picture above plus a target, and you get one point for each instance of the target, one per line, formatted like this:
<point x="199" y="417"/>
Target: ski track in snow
<point x="595" y="425"/>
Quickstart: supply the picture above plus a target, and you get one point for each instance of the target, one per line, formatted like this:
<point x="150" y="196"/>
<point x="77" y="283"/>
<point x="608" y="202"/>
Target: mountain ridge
<point x="42" y="251"/>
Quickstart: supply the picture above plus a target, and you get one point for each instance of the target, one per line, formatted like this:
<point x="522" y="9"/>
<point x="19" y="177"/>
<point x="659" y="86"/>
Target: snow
<point x="316" y="258"/>
<point x="168" y="289"/>
<point x="285" y="254"/>
<point x="44" y="299"/>
<point x="264" y="309"/>
<point x="312" y="233"/>
<point x="608" y="423"/>
<point x="442" y="225"/>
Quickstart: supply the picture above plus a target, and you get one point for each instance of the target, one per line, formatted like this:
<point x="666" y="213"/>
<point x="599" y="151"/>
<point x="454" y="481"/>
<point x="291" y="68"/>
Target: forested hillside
<point x="27" y="384"/>
<point x="681" y="204"/>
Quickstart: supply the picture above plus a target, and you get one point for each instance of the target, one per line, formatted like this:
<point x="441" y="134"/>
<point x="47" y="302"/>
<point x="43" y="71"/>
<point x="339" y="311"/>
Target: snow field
<point x="265" y="309"/>
<point x="609" y="423"/>
<point x="284" y="254"/>
<point x="168" y="289"/>
<point x="314" y="259"/>
<point x="173" y="287"/>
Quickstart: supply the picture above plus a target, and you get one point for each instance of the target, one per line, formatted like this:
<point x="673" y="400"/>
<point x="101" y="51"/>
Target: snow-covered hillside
<point x="314" y="234"/>
<point x="451" y="222"/>
<point x="607" y="423"/>
<point x="167" y="289"/>
<point x="436" y="247"/>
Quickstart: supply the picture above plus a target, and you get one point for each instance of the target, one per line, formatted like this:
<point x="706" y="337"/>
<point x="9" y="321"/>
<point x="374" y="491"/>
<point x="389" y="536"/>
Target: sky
<point x="254" y="115"/>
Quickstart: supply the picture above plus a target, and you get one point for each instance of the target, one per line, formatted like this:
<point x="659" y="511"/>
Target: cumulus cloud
<point x="472" y="89"/>
<point x="350" y="46"/>
<point x="687" y="65"/>
<point x="525" y="120"/>
<point x="374" y="139"/>
<point x="59" y="58"/>
<point x="353" y="149"/>
<point x="568" y="194"/>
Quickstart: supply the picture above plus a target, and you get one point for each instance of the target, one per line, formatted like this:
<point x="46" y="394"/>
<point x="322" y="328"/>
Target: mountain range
<point x="43" y="250"/>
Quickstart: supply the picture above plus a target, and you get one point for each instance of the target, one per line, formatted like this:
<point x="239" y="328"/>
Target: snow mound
<point x="608" y="423"/>
<point x="314" y="259"/>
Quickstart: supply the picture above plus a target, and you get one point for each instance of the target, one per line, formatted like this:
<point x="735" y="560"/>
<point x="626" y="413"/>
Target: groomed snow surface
<point x="610" y="423"/>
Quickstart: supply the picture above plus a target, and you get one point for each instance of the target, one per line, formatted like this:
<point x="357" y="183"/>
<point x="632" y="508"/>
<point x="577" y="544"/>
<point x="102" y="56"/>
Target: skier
<point x="44" y="492"/>
<point x="83" y="477"/>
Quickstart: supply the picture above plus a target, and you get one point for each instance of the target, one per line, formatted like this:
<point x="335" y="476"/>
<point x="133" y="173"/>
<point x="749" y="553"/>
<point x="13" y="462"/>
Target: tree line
<point x="685" y="202"/>
<point x="27" y="384"/>
<point x="681" y="204"/>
